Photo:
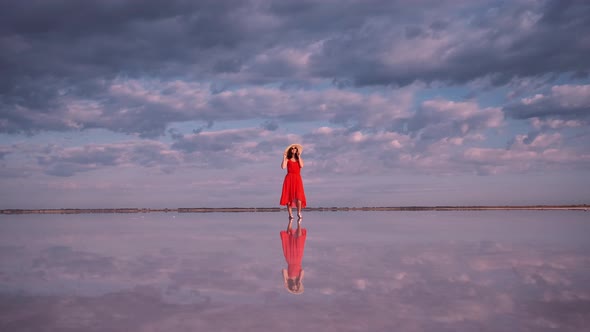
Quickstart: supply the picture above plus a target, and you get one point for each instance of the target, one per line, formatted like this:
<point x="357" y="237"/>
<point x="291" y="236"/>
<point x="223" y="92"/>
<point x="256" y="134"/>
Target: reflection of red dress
<point x="293" y="186"/>
<point x="293" y="246"/>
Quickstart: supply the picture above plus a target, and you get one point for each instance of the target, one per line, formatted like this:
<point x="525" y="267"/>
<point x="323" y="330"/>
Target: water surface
<point x="364" y="271"/>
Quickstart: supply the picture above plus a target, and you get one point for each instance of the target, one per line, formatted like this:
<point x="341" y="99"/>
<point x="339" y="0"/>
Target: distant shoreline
<point x="582" y="207"/>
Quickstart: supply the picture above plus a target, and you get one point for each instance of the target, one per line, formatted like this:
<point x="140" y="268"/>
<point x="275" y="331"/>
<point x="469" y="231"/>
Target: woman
<point x="293" y="194"/>
<point x="293" y="246"/>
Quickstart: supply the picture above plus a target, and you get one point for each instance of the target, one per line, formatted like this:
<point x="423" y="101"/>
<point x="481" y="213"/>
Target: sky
<point x="121" y="103"/>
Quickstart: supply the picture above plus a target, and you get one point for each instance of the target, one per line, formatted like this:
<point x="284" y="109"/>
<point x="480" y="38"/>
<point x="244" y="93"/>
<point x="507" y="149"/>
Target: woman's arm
<point x="284" y="163"/>
<point x="300" y="160"/>
<point x="285" y="275"/>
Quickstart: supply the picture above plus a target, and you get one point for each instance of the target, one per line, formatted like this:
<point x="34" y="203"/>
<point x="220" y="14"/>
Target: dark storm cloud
<point x="564" y="102"/>
<point x="54" y="50"/>
<point x="146" y="108"/>
<point x="64" y="64"/>
<point x="50" y="54"/>
<point x="67" y="39"/>
<point x="493" y="40"/>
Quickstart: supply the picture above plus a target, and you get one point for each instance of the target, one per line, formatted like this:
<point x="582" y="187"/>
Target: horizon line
<point x="583" y="207"/>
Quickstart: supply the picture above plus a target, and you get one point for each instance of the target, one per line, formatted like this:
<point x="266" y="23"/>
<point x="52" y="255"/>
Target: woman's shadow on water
<point x="293" y="241"/>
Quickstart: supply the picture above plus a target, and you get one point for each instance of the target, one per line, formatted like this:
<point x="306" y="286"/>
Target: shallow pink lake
<point x="364" y="271"/>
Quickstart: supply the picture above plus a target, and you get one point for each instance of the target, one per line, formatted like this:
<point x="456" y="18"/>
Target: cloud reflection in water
<point x="364" y="272"/>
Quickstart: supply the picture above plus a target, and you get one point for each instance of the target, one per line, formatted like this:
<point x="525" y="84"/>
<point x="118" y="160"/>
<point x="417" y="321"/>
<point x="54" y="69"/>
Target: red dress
<point x="293" y="247"/>
<point x="293" y="186"/>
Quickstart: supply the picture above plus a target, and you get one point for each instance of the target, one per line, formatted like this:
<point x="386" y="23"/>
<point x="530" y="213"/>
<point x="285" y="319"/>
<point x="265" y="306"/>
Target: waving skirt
<point x="293" y="190"/>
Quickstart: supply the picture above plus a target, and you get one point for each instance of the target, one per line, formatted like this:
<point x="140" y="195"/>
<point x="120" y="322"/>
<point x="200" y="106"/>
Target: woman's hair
<point x="290" y="154"/>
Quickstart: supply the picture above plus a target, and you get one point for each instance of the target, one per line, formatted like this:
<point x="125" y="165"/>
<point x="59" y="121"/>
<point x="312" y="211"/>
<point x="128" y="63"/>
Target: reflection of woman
<point x="293" y="246"/>
<point x="293" y="194"/>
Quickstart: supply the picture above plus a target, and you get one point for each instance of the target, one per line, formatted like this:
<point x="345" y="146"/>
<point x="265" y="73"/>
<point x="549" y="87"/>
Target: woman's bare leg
<point x="299" y="209"/>
<point x="298" y="227"/>
<point x="290" y="211"/>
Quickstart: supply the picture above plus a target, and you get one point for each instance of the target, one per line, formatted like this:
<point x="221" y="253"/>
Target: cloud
<point x="432" y="137"/>
<point x="488" y="40"/>
<point x="343" y="151"/>
<point x="131" y="272"/>
<point x="49" y="56"/>
<point x="147" y="108"/>
<point x="554" y="124"/>
<point x="371" y="88"/>
<point x="12" y="172"/>
<point x="379" y="133"/>
<point x="128" y="106"/>
<point x="64" y="73"/>
<point x="61" y="161"/>
<point x="270" y="125"/>
<point x="203" y="149"/>
<point x="562" y="106"/>
<point x="493" y="161"/>
<point x="223" y="148"/>
<point x="112" y="38"/>
<point x="4" y="150"/>
<point x="439" y="118"/>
